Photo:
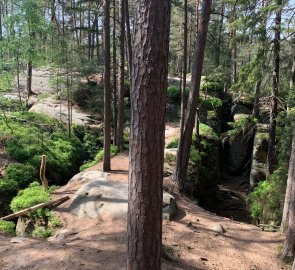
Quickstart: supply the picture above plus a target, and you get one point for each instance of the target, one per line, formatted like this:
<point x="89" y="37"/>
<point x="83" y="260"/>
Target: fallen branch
<point x="50" y="204"/>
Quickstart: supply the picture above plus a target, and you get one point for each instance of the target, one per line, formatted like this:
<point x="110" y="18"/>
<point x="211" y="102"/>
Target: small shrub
<point x="208" y="132"/>
<point x="28" y="197"/>
<point x="42" y="233"/>
<point x="173" y="93"/>
<point x="266" y="201"/>
<point x="54" y="220"/>
<point x="23" y="174"/>
<point x="242" y="125"/>
<point x="211" y="103"/>
<point x="7" y="226"/>
<point x="173" y="143"/>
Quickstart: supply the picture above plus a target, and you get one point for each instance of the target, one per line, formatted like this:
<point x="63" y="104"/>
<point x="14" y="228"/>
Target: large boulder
<point x="99" y="197"/>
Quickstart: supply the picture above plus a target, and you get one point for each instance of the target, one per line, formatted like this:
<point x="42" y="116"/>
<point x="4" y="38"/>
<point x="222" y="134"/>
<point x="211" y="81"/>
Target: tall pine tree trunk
<point x="186" y="137"/>
<point x="128" y="29"/>
<point x="148" y="98"/>
<point x="107" y="88"/>
<point x="271" y="154"/>
<point x="184" y="69"/>
<point x="290" y="183"/>
<point x="114" y="73"/>
<point x="289" y="208"/>
<point x="121" y="105"/>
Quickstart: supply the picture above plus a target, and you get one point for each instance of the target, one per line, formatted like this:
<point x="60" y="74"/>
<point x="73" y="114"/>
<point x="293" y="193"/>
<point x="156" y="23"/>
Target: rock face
<point x="259" y="156"/>
<point x="24" y="226"/>
<point x="99" y="197"/>
<point x="236" y="152"/>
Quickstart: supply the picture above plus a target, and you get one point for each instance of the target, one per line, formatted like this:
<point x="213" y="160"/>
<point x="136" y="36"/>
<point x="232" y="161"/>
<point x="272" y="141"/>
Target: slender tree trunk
<point x="148" y="98"/>
<point x="107" y="88"/>
<point x="121" y="88"/>
<point x="292" y="80"/>
<point x="184" y="69"/>
<point x="197" y="120"/>
<point x="289" y="208"/>
<point x="186" y="137"/>
<point x="114" y="74"/>
<point x="220" y="33"/>
<point x="290" y="183"/>
<point x="89" y="31"/>
<point x="271" y="154"/>
<point x="29" y="78"/>
<point x="127" y="16"/>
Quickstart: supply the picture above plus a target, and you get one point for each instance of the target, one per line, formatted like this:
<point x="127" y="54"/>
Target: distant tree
<point x="186" y="136"/>
<point x="107" y="88"/>
<point x="148" y="97"/>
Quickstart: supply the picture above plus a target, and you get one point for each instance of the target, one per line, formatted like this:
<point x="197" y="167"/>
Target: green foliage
<point x="211" y="103"/>
<point x="42" y="233"/>
<point x="7" y="226"/>
<point x="23" y="174"/>
<point x="266" y="201"/>
<point x="8" y="186"/>
<point x="173" y="93"/>
<point x="34" y="135"/>
<point x="212" y="85"/>
<point x="54" y="220"/>
<point x="173" y="143"/>
<point x="8" y="104"/>
<point x="28" y="197"/>
<point x="207" y="132"/>
<point x="98" y="158"/>
<point x="6" y="79"/>
<point x="242" y="125"/>
<point x="92" y="139"/>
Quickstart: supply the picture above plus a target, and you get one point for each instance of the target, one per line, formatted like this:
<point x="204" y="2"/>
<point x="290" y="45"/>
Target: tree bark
<point x="121" y="88"/>
<point x="148" y="98"/>
<point x="290" y="183"/>
<point x="114" y="74"/>
<point x="127" y="16"/>
<point x="107" y="88"/>
<point x="271" y="154"/>
<point x="289" y="245"/>
<point x="186" y="138"/>
<point x="184" y="68"/>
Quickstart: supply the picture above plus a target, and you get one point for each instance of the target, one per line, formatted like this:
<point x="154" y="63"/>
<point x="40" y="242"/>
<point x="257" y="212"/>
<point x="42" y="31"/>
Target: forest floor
<point x="190" y="238"/>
